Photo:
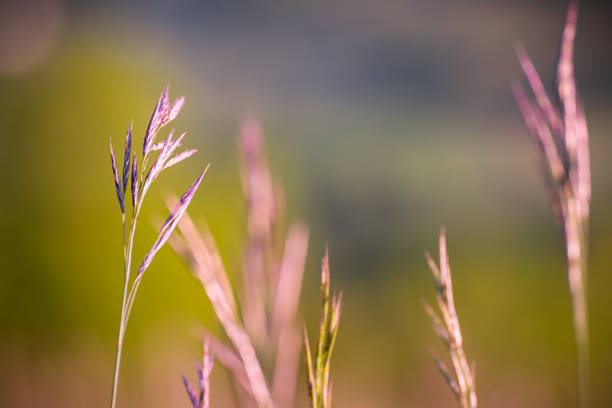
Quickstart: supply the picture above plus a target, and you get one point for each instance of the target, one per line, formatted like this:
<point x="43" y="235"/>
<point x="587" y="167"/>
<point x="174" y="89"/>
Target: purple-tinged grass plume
<point x="126" y="157"/>
<point x="200" y="398"/>
<point x="116" y="179"/>
<point x="162" y="114"/>
<point x="263" y="331"/>
<point x="462" y="381"/>
<point x="319" y="367"/>
<point x="560" y="131"/>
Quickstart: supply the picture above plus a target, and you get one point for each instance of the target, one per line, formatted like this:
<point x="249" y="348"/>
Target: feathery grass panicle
<point x="155" y="123"/>
<point x="201" y="397"/>
<point x="318" y="366"/>
<point x="561" y="133"/>
<point x="162" y="114"/>
<point x="447" y="328"/>
<point x="263" y="329"/>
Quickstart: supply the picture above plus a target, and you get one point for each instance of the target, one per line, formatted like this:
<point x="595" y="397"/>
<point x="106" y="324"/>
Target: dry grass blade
<point x="207" y="267"/>
<point x="261" y="215"/>
<point x="564" y="142"/>
<point x="285" y="330"/>
<point x="265" y="333"/>
<point x="462" y="381"/>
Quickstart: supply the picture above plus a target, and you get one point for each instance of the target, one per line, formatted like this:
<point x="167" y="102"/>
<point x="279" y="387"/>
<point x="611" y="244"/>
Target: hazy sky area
<point x="456" y="55"/>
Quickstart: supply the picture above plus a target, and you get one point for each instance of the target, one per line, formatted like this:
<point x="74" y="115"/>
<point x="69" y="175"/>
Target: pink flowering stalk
<point x="162" y="115"/>
<point x="560" y="131"/>
<point x="263" y="329"/>
<point x="462" y="381"/>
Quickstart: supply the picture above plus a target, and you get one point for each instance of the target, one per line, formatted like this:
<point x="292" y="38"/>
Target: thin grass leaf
<point x="289" y="283"/>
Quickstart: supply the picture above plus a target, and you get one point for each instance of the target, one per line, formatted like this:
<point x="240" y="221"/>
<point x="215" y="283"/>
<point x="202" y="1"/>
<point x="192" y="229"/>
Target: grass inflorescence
<point x="263" y="327"/>
<point x="462" y="380"/>
<point x="559" y="129"/>
<point x="318" y="361"/>
<point x="163" y="114"/>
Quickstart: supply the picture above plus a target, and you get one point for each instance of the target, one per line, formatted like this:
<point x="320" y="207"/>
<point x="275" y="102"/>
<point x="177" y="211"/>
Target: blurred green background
<point x="384" y="120"/>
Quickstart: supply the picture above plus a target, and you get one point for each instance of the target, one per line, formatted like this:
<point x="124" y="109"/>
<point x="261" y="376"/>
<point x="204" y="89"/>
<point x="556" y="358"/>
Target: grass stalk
<point x="163" y="113"/>
<point x="462" y="381"/>
<point x="560" y="132"/>
<point x="263" y="331"/>
<point x="319" y="368"/>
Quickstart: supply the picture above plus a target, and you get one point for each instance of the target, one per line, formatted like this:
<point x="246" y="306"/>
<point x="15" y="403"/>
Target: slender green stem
<point x="125" y="310"/>
<point x="121" y="326"/>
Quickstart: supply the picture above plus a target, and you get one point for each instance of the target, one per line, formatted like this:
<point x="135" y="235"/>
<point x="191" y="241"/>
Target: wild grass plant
<point x="140" y="182"/>
<point x="318" y="361"/>
<point x="558" y="128"/>
<point x="262" y="324"/>
<point x="263" y="329"/>
<point x="462" y="380"/>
